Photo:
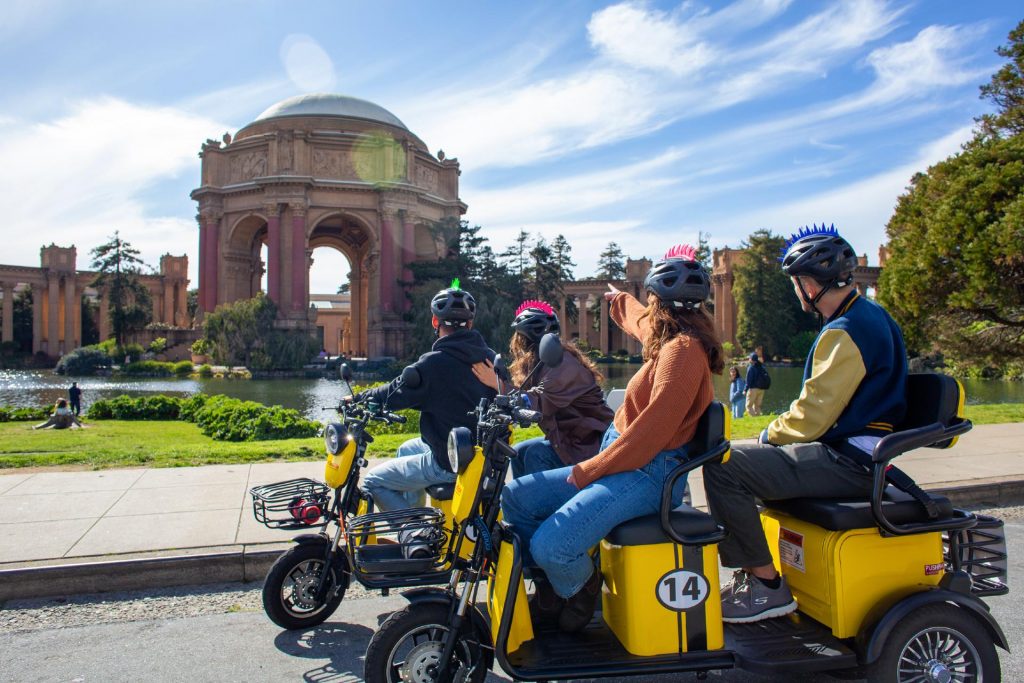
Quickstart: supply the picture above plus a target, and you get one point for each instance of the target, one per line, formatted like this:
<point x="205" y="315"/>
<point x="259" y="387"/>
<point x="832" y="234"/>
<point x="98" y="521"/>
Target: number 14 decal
<point x="681" y="590"/>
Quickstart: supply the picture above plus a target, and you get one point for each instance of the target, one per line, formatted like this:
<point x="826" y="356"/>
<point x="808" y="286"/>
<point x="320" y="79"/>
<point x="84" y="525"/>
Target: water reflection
<point x="310" y="396"/>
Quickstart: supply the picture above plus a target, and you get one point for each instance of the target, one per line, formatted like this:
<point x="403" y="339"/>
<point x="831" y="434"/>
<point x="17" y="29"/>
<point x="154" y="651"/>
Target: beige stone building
<point x="57" y="287"/>
<point x="323" y="171"/>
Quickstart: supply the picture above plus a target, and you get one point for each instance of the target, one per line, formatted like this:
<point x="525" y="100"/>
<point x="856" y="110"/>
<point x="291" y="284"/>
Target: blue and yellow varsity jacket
<point x="855" y="379"/>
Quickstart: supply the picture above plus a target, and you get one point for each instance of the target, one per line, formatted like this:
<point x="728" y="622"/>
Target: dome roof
<point x="324" y="104"/>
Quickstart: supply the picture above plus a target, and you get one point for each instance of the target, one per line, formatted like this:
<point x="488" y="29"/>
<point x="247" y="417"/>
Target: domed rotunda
<point x="322" y="170"/>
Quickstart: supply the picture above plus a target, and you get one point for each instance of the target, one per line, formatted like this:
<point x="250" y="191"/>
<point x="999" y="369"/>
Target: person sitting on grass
<point x="62" y="417"/>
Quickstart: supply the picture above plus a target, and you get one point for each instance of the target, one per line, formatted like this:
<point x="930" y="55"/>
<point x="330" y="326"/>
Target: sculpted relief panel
<point x="248" y="165"/>
<point x="426" y="178"/>
<point x="332" y="163"/>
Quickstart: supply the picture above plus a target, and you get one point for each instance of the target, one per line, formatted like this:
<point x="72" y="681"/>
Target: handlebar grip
<point x="530" y="415"/>
<point x="395" y="417"/>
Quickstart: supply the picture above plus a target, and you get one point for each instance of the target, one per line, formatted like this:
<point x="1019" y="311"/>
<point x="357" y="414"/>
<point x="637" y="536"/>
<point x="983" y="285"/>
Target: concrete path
<point x="59" y="518"/>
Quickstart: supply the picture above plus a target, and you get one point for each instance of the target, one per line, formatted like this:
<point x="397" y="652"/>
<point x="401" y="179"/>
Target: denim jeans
<point x="559" y="523"/>
<point x="737" y="407"/>
<point x="400" y="482"/>
<point x="535" y="455"/>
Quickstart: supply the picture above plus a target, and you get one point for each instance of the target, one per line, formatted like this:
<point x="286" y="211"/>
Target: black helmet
<point x="453" y="306"/>
<point x="534" y="319"/>
<point x="679" y="278"/>
<point x="820" y="253"/>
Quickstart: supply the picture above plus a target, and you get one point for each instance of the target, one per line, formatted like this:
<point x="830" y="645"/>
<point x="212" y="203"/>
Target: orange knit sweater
<point x="663" y="401"/>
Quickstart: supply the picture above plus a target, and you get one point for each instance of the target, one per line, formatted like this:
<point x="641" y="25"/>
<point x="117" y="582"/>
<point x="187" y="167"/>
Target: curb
<point x="246" y="564"/>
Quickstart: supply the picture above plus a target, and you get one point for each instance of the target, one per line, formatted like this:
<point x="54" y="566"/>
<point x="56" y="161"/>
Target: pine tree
<point x="118" y="266"/>
<point x="611" y="264"/>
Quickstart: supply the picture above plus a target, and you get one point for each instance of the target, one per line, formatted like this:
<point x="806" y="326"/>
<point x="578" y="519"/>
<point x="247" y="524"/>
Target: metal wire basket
<point x="981" y="552"/>
<point x="409" y="541"/>
<point x="292" y="504"/>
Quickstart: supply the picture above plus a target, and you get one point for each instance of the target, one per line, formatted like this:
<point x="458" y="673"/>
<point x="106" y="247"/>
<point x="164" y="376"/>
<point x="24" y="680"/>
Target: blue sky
<point x="638" y="122"/>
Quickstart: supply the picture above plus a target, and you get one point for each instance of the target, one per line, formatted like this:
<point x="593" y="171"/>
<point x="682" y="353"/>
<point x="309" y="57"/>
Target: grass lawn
<point x="113" y="443"/>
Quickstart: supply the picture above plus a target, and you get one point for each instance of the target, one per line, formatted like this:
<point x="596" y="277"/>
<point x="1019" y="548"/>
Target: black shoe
<point x="545" y="605"/>
<point x="579" y="609"/>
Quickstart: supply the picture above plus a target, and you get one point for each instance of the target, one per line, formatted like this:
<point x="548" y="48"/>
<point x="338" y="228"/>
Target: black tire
<point x="291" y="579"/>
<point x="939" y="635"/>
<point x="419" y="630"/>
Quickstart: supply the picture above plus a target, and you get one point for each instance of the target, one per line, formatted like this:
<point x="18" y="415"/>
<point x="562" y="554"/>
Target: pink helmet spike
<point x="681" y="251"/>
<point x="539" y="305"/>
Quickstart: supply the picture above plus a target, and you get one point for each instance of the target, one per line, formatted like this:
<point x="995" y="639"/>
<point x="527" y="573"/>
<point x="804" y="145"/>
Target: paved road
<point x="247" y="647"/>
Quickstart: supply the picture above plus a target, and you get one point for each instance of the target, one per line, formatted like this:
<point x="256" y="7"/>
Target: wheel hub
<point x="938" y="672"/>
<point x="424" y="661"/>
<point x="304" y="596"/>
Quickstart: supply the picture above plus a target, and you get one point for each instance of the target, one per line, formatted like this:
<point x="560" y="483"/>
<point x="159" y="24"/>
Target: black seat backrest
<point x="932" y="398"/>
<point x="711" y="430"/>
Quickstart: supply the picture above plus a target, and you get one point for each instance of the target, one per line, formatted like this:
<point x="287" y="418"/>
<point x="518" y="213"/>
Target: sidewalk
<point x="202" y="516"/>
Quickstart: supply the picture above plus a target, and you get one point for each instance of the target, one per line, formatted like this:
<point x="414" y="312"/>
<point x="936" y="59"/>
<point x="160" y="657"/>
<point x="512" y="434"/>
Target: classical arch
<point x="322" y="170"/>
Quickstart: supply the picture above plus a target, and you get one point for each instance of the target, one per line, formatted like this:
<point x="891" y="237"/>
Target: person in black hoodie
<point x="446" y="394"/>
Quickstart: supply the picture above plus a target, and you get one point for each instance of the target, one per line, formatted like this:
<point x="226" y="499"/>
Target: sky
<point x="642" y="123"/>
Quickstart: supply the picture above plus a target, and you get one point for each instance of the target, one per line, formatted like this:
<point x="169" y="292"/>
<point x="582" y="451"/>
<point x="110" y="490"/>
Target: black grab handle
<point x="682" y="468"/>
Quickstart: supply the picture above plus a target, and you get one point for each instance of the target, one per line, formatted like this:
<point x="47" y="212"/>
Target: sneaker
<point x="740" y="577"/>
<point x="579" y="609"/>
<point x="754" y="601"/>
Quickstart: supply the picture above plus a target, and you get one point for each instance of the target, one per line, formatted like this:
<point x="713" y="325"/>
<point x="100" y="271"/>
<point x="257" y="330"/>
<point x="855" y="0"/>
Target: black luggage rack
<point x="293" y="504"/>
<point x="981" y="552"/>
<point x="398" y="542"/>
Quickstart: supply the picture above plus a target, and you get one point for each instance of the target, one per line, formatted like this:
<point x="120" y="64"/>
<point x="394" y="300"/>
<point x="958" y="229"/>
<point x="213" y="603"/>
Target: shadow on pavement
<point x="343" y="644"/>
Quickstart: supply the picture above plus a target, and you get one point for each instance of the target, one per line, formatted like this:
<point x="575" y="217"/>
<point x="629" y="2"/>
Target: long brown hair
<point x="524" y="359"/>
<point x="668" y="322"/>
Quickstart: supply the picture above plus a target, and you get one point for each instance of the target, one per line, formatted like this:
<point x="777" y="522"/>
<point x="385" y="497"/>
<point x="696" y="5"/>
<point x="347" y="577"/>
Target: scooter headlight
<point x="335" y="437"/>
<point x="460" y="449"/>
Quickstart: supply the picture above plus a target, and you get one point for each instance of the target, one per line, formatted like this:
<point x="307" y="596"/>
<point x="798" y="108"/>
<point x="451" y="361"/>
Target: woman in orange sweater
<point x="561" y="514"/>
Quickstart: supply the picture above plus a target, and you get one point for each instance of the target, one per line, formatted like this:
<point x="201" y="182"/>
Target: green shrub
<point x="800" y="344"/>
<point x="230" y="419"/>
<point x="183" y="368"/>
<point x="205" y="370"/>
<point x="158" y="345"/>
<point x="191" y="405"/>
<point x="158" y="407"/>
<point x="201" y="346"/>
<point x="148" y="368"/>
<point x="23" y="413"/>
<point x="82" y="361"/>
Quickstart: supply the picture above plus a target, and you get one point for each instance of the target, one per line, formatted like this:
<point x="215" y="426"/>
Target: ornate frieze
<point x="248" y="165"/>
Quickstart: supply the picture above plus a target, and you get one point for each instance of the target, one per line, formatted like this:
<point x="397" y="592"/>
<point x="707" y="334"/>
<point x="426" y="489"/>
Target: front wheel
<point x="289" y="592"/>
<point x="409" y="645"/>
<point x="939" y="643"/>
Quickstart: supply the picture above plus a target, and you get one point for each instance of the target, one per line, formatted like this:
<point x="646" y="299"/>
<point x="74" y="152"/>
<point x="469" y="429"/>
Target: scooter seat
<point x="647" y="530"/>
<point x="841" y="514"/>
<point x="441" y="491"/>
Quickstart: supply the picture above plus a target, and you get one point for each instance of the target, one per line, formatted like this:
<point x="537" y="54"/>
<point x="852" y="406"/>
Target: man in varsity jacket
<point x="853" y="392"/>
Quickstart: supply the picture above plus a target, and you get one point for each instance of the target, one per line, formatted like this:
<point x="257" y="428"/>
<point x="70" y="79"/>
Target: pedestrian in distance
<point x="75" y="399"/>
<point x="737" y="392"/>
<point x="758" y="380"/>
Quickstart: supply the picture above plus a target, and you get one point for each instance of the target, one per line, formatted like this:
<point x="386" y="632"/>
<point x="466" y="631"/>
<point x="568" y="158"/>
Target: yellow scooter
<point x="884" y="590"/>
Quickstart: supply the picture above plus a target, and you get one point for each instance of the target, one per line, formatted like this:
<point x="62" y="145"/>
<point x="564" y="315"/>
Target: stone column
<point x="168" y="302"/>
<point x="408" y="255"/>
<point x="387" y="261"/>
<point x="103" y="324"/>
<point x="300" y="259"/>
<point x="364" y="308"/>
<point x="70" y="317"/>
<point x="355" y="297"/>
<point x="181" y="304"/>
<point x="563" y="320"/>
<point x="52" y="313"/>
<point x="8" y="314"/>
<point x="581" y="304"/>
<point x="606" y="325"/>
<point x="203" y="238"/>
<point x="274" y="252"/>
<point x="208" y="258"/>
<point x="37" y="318"/>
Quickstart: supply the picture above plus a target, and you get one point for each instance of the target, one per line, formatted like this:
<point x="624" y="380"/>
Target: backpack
<point x="762" y="380"/>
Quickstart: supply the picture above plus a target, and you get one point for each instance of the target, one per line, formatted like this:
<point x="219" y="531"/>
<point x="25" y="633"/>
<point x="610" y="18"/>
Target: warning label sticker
<point x="791" y="549"/>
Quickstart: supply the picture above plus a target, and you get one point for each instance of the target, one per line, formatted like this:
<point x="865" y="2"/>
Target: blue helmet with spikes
<point x="821" y="253"/>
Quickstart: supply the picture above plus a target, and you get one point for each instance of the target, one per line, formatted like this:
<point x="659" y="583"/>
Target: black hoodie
<point x="448" y="392"/>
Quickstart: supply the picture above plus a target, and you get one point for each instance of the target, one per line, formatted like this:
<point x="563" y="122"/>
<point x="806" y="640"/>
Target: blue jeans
<point x="399" y="483"/>
<point x="559" y="523"/>
<point x="737" y="407"/>
<point x="535" y="455"/>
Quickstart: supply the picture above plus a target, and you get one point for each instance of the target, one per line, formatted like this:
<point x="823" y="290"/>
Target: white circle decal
<point x="682" y="590"/>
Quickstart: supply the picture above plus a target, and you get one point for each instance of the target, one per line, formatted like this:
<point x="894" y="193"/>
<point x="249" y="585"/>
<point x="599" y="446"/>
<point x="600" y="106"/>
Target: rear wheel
<point x="937" y="644"/>
<point x="289" y="592"/>
<point x="409" y="645"/>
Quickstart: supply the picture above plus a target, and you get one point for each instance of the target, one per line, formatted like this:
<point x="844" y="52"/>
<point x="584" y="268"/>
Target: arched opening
<point x="246" y="256"/>
<point x="338" y="286"/>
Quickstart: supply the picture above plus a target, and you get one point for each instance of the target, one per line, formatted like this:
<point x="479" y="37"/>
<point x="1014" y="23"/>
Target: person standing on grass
<point x="75" y="399"/>
<point x="737" y="392"/>
<point x="757" y="381"/>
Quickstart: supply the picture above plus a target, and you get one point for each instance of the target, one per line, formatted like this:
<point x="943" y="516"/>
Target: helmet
<point x="820" y="253"/>
<point x="453" y="306"/>
<point x="534" y="319"/>
<point x="679" y="278"/>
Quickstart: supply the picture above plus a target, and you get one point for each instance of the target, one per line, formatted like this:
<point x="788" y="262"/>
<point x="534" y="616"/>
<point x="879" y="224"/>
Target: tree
<point x="768" y="314"/>
<point x="192" y="304"/>
<point x="704" y="250"/>
<point x="611" y="264"/>
<point x="118" y="265"/>
<point x="243" y="333"/>
<point x="517" y="257"/>
<point x="955" y="280"/>
<point x="543" y="273"/>
<point x="562" y="251"/>
<point x="23" y="320"/>
<point x="1006" y="91"/>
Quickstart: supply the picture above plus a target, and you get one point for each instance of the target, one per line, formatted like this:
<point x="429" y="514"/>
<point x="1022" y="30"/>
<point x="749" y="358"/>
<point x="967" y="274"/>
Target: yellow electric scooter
<point x="885" y="590"/>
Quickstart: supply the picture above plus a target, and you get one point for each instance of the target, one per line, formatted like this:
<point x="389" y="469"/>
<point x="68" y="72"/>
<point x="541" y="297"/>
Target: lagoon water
<point x="310" y="396"/>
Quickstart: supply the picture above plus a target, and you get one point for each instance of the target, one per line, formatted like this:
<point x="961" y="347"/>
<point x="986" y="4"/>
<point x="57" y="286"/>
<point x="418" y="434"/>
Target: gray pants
<point x="810" y="470"/>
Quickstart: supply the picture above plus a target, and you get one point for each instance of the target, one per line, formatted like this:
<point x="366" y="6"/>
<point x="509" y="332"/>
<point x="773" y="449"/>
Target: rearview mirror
<point x="501" y="370"/>
<point x="551" y="350"/>
<point x="411" y="377"/>
<point x="345" y="372"/>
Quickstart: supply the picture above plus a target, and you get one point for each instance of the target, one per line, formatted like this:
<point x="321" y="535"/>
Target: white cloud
<point x="79" y="177"/>
<point x="649" y="39"/>
<point x="308" y="65"/>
